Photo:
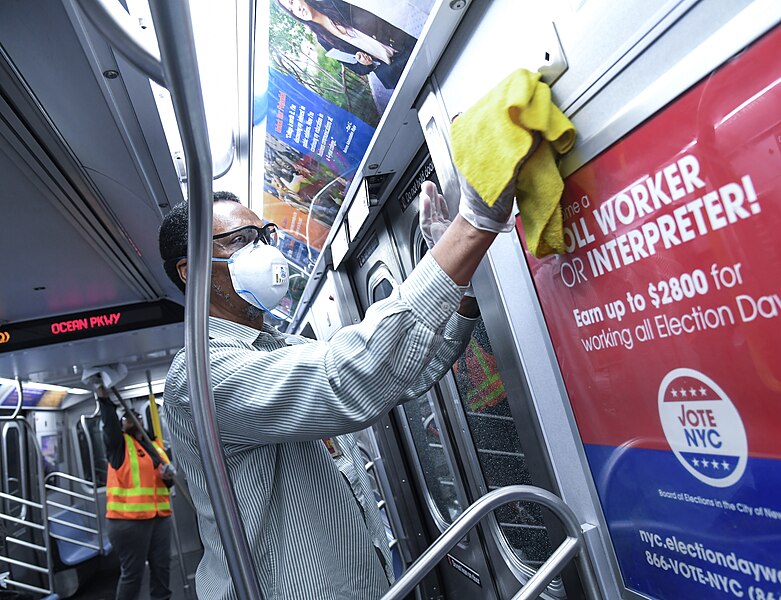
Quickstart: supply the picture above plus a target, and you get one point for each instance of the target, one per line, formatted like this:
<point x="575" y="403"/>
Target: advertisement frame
<point x="739" y="32"/>
<point x="516" y="294"/>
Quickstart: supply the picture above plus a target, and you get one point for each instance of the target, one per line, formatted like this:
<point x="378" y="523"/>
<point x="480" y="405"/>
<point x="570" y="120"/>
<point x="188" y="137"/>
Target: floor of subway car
<point x="103" y="585"/>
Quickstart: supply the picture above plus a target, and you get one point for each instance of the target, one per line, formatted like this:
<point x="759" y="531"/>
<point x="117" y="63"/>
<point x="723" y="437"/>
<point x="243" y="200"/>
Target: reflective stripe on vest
<point x="135" y="490"/>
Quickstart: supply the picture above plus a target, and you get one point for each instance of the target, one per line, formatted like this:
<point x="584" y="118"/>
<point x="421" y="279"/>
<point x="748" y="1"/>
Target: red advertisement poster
<point x="665" y="316"/>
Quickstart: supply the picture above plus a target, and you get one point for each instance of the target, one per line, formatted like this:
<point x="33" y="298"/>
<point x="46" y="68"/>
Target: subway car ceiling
<point x="87" y="177"/>
<point x="91" y="164"/>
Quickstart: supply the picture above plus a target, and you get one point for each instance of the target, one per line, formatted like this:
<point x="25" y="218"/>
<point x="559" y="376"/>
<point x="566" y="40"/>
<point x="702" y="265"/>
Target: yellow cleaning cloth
<point x="496" y="134"/>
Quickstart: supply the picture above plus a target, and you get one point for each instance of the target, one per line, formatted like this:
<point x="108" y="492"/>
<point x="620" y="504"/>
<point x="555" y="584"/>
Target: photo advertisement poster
<point x="665" y="316"/>
<point x="332" y="67"/>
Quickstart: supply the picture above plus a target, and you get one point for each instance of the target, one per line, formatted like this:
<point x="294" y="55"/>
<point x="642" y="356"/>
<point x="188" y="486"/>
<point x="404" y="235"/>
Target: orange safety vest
<point x="135" y="490"/>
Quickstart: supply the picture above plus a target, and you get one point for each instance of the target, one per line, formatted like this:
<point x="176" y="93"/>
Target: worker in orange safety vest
<point x="138" y="504"/>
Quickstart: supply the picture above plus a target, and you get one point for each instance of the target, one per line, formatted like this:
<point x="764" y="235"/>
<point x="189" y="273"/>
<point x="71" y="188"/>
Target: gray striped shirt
<point x="277" y="396"/>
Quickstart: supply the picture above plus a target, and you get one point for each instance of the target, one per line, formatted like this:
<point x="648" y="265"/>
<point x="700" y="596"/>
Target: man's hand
<point x="95" y="383"/>
<point x="167" y="472"/>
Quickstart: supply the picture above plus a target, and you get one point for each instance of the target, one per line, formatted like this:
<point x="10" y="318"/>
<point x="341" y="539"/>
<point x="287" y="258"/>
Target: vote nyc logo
<point x="703" y="427"/>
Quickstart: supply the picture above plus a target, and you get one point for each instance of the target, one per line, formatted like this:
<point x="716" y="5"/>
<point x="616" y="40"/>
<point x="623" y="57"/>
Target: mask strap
<point x="279" y="315"/>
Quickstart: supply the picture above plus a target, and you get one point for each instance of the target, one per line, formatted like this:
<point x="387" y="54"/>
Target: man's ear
<point x="181" y="268"/>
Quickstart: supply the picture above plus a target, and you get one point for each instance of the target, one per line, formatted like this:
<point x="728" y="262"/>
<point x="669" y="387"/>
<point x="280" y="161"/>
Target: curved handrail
<point x="173" y="26"/>
<point x="19" y="399"/>
<point x="117" y="26"/>
<point x="572" y="547"/>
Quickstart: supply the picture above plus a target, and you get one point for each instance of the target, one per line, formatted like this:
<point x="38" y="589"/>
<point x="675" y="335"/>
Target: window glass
<point x="12" y="478"/>
<point x="498" y="446"/>
<point x="437" y="473"/>
<point x="93" y="431"/>
<point x="383" y="289"/>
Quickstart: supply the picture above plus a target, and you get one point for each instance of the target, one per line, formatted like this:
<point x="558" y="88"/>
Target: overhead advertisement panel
<point x="332" y="66"/>
<point x="32" y="397"/>
<point x="665" y="316"/>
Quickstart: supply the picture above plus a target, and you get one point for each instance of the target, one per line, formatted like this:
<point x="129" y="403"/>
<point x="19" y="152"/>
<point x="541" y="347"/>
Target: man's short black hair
<point x="173" y="236"/>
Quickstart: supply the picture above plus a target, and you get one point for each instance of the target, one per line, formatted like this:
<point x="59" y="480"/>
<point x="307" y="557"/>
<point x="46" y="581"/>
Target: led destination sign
<point x="79" y="326"/>
<point x="92" y="322"/>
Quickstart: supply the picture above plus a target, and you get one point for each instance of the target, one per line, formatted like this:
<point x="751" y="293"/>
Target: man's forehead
<point x="231" y="215"/>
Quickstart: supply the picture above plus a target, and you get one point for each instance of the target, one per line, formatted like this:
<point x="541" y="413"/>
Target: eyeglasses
<point x="232" y="241"/>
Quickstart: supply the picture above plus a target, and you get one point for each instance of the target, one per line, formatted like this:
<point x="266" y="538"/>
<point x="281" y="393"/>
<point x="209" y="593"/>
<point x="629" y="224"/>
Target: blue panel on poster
<point x="650" y="502"/>
<point x="315" y="126"/>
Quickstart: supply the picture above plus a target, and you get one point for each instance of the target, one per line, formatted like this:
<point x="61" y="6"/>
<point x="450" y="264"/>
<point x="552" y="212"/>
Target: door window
<point x="499" y="449"/>
<point x="13" y="469"/>
<point x="92" y="451"/>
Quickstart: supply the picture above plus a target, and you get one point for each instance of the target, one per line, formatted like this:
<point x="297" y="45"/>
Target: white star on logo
<point x="675" y="393"/>
<point x="715" y="464"/>
<point x="695" y="462"/>
<point x="703" y="391"/>
<point x="693" y="392"/>
<point x="725" y="464"/>
<point x="683" y="392"/>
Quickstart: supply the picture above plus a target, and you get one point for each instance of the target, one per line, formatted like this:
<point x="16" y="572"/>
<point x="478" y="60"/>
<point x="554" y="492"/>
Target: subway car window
<point x="499" y="450"/>
<point x="437" y="472"/>
<point x="92" y="450"/>
<point x="12" y="467"/>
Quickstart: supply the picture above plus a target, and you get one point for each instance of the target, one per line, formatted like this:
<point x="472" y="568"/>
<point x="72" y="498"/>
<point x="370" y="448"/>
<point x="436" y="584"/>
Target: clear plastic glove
<point x="434" y="218"/>
<point x="496" y="218"/>
<point x="434" y="215"/>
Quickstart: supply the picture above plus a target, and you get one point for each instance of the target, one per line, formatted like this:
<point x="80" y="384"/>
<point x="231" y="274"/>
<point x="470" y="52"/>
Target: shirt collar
<point x="223" y="328"/>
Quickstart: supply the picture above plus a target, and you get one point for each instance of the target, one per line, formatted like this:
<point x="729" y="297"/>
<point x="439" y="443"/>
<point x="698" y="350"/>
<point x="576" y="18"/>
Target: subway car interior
<point x="607" y="433"/>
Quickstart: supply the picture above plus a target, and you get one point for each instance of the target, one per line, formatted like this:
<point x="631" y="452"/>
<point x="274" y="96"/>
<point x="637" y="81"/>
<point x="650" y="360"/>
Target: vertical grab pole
<point x="173" y="26"/>
<point x="153" y="411"/>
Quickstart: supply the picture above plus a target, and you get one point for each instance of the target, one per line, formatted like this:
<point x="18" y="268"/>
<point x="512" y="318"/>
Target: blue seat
<point x="73" y="554"/>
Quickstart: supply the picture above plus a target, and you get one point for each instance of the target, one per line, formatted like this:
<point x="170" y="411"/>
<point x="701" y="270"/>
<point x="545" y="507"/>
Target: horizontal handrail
<point x="65" y="538"/>
<point x="69" y="477"/>
<point x="73" y="525"/>
<point x="21" y="563"/>
<point x="72" y="509"/>
<point x="26" y="586"/>
<point x="572" y="547"/>
<point x="6" y="517"/>
<point x="25" y="543"/>
<point x="19" y="500"/>
<point x="67" y="492"/>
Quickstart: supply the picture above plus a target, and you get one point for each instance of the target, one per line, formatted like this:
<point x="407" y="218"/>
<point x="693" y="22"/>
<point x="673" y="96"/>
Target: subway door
<point x="475" y="402"/>
<point x="418" y="443"/>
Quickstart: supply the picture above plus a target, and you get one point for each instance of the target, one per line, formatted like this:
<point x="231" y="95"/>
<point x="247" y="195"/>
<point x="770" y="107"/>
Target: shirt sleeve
<point x="325" y="388"/>
<point x="112" y="433"/>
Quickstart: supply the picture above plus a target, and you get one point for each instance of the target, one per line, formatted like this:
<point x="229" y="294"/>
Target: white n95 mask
<point x="259" y="274"/>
